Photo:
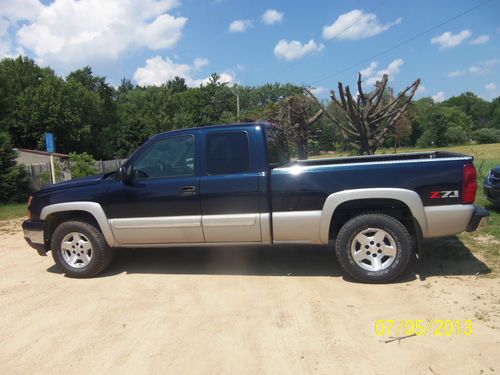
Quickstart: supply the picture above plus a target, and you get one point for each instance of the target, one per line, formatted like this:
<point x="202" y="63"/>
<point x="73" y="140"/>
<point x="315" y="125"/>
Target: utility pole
<point x="237" y="105"/>
<point x="53" y="168"/>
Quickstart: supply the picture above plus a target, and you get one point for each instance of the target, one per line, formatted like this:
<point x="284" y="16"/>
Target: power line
<point x="406" y="41"/>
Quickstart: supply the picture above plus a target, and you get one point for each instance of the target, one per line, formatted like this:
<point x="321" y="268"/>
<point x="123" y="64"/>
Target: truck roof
<point x="219" y="126"/>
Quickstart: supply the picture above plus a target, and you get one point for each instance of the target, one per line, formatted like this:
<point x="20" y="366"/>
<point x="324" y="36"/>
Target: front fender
<point x="92" y="208"/>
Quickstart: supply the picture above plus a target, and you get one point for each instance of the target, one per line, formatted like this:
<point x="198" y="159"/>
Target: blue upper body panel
<point x="295" y="187"/>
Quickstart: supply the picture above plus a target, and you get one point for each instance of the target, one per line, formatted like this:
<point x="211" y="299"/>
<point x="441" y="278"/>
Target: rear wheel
<point x="373" y="248"/>
<point x="79" y="249"/>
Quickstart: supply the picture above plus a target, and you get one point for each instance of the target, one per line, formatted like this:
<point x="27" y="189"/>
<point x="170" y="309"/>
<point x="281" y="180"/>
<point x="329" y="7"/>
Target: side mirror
<point x="121" y="174"/>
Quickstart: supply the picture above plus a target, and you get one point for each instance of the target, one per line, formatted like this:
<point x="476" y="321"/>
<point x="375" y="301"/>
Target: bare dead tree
<point x="295" y="116"/>
<point x="367" y="120"/>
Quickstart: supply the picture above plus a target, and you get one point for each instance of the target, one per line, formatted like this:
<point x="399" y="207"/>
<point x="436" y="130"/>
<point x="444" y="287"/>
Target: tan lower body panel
<point x="296" y="227"/>
<point x="151" y="230"/>
<point x="232" y="228"/>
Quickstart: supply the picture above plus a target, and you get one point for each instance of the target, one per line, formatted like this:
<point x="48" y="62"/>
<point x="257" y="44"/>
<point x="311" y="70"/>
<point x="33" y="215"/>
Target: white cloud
<point x="371" y="77"/>
<point x="456" y="73"/>
<point x="158" y="71"/>
<point x="240" y="26"/>
<point x="421" y="90"/>
<point x="490" y="63"/>
<point x="4" y="24"/>
<point x="481" y="39"/>
<point x="481" y="68"/>
<point x="19" y="10"/>
<point x="491" y="87"/>
<point x="449" y="40"/>
<point x="356" y="25"/>
<point x="71" y="33"/>
<point x="272" y="16"/>
<point x="368" y="71"/>
<point x="319" y="91"/>
<point x="240" y="67"/>
<point x="296" y="50"/>
<point x="6" y="49"/>
<point x="478" y="70"/>
<point x="439" y="97"/>
<point x="200" y="63"/>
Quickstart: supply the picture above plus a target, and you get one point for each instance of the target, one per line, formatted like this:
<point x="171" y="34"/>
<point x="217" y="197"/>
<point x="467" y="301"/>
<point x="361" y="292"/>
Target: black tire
<point x="101" y="252"/>
<point x="358" y="224"/>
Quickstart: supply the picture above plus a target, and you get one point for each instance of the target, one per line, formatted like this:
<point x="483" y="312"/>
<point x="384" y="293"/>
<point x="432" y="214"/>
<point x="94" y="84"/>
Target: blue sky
<point x="253" y="42"/>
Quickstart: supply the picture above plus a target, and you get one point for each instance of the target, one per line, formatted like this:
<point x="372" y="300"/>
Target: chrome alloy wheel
<point x="373" y="249"/>
<point x="76" y="250"/>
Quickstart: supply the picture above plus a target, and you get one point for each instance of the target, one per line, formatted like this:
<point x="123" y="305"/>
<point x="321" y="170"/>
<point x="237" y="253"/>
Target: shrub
<point x="14" y="186"/>
<point x="82" y="165"/>
<point x="456" y="135"/>
<point x="486" y="135"/>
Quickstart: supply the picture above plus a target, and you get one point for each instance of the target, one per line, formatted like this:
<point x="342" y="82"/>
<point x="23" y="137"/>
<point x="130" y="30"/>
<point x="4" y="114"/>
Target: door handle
<point x="187" y="191"/>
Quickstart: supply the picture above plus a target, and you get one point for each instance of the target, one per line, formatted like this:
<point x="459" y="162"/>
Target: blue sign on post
<point x="49" y="142"/>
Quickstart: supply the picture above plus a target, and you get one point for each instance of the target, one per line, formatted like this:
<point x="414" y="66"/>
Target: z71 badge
<point x="444" y="194"/>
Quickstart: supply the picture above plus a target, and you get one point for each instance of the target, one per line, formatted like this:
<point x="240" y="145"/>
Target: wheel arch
<point x="57" y="213"/>
<point x="369" y="200"/>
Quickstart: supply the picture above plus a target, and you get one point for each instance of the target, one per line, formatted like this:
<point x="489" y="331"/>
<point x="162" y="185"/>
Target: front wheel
<point x="80" y="249"/>
<point x="373" y="248"/>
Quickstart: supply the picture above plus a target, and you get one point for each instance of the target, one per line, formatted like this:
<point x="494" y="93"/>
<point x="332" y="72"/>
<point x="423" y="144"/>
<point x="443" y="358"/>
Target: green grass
<point x="480" y="152"/>
<point x="13" y="211"/>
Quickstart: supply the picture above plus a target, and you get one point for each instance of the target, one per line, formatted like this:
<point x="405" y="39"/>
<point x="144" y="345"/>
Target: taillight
<point x="29" y="206"/>
<point x="470" y="185"/>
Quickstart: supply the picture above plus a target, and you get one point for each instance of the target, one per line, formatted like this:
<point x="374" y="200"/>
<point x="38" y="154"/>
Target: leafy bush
<point x="486" y="135"/>
<point x="82" y="165"/>
<point x="14" y="185"/>
<point x="456" y="135"/>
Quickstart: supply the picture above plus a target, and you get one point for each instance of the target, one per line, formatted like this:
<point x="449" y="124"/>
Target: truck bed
<point x="410" y="156"/>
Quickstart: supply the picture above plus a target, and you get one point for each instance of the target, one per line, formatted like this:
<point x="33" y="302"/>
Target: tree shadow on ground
<point x="442" y="257"/>
<point x="448" y="256"/>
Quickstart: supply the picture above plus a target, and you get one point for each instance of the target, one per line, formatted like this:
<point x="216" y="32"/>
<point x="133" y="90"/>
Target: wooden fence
<point x="39" y="175"/>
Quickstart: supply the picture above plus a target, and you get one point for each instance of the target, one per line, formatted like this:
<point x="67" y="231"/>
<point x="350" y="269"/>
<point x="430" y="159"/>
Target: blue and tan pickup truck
<point x="236" y="185"/>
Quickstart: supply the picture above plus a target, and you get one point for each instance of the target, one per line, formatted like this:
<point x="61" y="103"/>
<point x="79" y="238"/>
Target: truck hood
<point x="85" y="181"/>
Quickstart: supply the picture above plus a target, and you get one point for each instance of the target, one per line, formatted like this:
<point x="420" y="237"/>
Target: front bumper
<point x="33" y="234"/>
<point x="479" y="213"/>
<point x="491" y="191"/>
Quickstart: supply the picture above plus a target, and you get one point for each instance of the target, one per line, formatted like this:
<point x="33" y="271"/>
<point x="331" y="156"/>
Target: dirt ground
<point x="284" y="310"/>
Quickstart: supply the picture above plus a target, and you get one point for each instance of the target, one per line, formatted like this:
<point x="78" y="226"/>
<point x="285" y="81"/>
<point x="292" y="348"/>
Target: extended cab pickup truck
<point x="235" y="185"/>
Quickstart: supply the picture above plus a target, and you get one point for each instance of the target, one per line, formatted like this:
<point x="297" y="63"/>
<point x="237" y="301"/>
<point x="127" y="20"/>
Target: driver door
<point x="160" y="204"/>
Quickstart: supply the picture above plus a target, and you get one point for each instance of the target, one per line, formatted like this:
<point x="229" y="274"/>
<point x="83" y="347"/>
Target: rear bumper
<point x="447" y="220"/>
<point x="479" y="213"/>
<point x="33" y="234"/>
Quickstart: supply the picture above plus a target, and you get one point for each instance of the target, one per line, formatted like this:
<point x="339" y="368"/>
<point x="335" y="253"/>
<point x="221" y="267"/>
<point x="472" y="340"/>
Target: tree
<point x="81" y="165"/>
<point x="125" y="87"/>
<point x="402" y="130"/>
<point x="443" y="126"/>
<point x="177" y="85"/>
<point x="296" y="114"/>
<point x="479" y="110"/>
<point x="368" y="120"/>
<point x="13" y="180"/>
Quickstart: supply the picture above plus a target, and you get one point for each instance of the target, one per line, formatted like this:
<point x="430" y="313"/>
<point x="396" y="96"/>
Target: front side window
<point x="169" y="157"/>
<point x="227" y="153"/>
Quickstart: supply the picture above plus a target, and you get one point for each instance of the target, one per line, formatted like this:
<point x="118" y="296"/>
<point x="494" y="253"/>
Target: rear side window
<point x="277" y="147"/>
<point x="227" y="153"/>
